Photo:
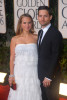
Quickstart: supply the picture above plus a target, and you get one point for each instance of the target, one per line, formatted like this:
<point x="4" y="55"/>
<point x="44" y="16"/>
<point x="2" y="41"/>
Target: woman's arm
<point x="12" y="58"/>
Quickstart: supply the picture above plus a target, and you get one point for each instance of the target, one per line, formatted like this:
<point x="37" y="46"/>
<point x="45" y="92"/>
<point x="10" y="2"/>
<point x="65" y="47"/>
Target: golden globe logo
<point x="30" y="7"/>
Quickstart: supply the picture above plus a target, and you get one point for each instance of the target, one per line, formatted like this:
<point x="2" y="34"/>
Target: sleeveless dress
<point x="26" y="75"/>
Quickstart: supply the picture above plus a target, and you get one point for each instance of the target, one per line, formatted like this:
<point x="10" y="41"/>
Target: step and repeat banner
<point x="2" y="17"/>
<point x="31" y="7"/>
<point x="28" y="6"/>
<point x="62" y="17"/>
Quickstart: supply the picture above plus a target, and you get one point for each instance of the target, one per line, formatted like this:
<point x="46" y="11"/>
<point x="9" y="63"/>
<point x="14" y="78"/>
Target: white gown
<point x="25" y="71"/>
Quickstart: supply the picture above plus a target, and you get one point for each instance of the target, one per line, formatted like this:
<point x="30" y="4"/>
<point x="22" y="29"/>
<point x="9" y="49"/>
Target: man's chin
<point x="44" y="25"/>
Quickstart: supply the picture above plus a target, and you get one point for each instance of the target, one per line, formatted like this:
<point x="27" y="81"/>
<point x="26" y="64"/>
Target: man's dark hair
<point x="45" y="8"/>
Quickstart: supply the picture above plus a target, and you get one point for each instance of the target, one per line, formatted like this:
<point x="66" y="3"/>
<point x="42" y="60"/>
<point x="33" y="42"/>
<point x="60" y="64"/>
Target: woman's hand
<point x="11" y="80"/>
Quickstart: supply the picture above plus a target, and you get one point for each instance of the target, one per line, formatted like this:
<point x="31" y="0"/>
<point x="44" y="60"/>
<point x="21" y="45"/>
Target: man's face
<point x="44" y="18"/>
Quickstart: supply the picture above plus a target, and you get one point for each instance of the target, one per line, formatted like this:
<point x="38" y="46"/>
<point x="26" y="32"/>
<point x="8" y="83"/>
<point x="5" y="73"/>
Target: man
<point x="49" y="47"/>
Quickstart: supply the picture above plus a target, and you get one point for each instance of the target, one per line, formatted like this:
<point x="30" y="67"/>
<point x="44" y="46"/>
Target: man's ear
<point x="51" y="17"/>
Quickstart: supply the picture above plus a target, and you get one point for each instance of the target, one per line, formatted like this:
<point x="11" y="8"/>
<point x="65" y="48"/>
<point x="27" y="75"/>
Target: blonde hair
<point x="19" y="29"/>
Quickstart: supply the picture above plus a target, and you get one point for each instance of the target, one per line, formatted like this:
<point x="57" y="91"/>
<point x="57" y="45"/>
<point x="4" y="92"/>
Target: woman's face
<point x="26" y="24"/>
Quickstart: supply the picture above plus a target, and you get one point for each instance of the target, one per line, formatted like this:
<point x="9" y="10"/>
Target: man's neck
<point x="46" y="26"/>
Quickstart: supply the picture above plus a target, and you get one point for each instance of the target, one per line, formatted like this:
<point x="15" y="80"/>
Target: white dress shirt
<point x="45" y="30"/>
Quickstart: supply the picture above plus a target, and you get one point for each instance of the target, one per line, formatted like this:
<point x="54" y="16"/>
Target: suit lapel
<point x="37" y="41"/>
<point x="46" y="35"/>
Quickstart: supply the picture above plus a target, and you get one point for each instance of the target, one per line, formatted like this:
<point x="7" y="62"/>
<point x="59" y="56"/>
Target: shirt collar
<point x="46" y="28"/>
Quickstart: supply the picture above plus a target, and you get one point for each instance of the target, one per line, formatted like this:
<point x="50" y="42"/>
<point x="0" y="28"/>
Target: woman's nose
<point x="27" y="24"/>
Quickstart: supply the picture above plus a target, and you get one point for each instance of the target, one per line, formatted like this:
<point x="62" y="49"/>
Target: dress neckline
<point x="26" y="44"/>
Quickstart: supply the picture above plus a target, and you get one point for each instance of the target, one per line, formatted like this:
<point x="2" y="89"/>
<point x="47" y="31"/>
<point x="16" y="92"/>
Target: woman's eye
<point x="24" y="22"/>
<point x="29" y="22"/>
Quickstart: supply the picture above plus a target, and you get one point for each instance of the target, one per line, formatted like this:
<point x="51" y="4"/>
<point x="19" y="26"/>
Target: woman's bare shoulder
<point x="14" y="39"/>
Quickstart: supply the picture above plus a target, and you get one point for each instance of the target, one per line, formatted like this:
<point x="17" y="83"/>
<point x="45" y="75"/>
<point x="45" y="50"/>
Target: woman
<point x="23" y="62"/>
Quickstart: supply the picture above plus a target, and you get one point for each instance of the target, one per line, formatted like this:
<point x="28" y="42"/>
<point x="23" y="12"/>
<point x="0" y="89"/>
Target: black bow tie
<point x="40" y="36"/>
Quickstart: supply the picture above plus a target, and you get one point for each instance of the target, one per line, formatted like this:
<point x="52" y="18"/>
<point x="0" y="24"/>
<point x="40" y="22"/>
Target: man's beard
<point x="43" y="25"/>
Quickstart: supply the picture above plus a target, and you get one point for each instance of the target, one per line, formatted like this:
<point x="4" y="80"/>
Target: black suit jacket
<point x="48" y="53"/>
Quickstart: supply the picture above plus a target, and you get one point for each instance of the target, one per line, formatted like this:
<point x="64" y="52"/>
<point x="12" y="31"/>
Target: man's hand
<point x="46" y="82"/>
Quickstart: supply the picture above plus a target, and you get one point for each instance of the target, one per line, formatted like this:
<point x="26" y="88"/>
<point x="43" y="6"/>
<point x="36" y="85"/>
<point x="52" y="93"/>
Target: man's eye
<point x="40" y="16"/>
<point x="45" y="16"/>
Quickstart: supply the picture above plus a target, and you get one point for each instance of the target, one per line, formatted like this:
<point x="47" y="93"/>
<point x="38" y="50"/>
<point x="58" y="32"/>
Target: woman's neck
<point x="25" y="34"/>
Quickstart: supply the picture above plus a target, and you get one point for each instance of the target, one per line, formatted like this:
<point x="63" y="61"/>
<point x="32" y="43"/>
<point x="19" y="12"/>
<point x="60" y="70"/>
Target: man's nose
<point x="42" y="17"/>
